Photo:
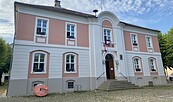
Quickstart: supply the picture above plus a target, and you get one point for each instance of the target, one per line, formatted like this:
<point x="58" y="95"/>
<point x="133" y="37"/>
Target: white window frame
<point x="47" y="26"/>
<point x="111" y="39"/>
<point x="75" y="69"/>
<point x="151" y="44"/>
<point x="135" y="64"/>
<point x="133" y="40"/>
<point x="154" y="64"/>
<point x="75" y="30"/>
<point x="45" y="62"/>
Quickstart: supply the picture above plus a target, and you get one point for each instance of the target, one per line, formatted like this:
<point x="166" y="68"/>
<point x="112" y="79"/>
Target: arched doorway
<point x="110" y="67"/>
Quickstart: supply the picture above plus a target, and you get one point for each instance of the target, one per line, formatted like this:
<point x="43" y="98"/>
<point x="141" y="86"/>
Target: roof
<point x="139" y="26"/>
<point x="57" y="9"/>
<point x="63" y="10"/>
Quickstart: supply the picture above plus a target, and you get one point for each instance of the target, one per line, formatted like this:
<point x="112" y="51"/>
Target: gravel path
<point x="146" y="94"/>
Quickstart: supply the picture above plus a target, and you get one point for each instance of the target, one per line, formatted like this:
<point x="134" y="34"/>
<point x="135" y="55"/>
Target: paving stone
<point x="146" y="94"/>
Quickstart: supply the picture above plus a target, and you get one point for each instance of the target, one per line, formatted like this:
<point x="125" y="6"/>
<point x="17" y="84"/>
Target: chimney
<point x="57" y="3"/>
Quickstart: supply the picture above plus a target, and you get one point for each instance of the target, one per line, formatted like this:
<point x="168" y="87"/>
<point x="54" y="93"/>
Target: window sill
<point x="111" y="42"/>
<point x="41" y="35"/>
<point x="70" y="72"/>
<point x="138" y="71"/>
<point x="38" y="73"/>
<point x="134" y="45"/>
<point x="153" y="71"/>
<point x="150" y="47"/>
<point x="71" y="38"/>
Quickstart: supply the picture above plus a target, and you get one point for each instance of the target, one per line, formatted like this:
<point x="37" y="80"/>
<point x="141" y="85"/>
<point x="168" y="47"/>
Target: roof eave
<point x="62" y="10"/>
<point x="140" y="27"/>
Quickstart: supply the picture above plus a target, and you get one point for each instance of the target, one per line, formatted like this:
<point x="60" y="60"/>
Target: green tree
<point x="162" y="44"/>
<point x="169" y="49"/>
<point x="166" y="48"/>
<point x="5" y="57"/>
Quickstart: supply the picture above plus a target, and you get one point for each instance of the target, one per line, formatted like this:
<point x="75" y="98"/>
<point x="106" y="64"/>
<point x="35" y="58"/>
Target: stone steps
<point x="116" y="85"/>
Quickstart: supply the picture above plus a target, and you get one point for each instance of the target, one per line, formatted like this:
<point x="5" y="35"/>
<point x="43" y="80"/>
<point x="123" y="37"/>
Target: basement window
<point x="70" y="84"/>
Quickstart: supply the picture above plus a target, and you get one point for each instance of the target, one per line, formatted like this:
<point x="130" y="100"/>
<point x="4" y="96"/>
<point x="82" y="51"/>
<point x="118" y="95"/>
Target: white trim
<point x="133" y="46"/>
<point x="108" y="16"/>
<point x="115" y="58"/>
<point x="151" y="43"/>
<point x="139" y="64"/>
<point x="75" y="33"/>
<point x="30" y="43"/>
<point x="143" y="53"/>
<point x="91" y="58"/>
<point x="75" y="63"/>
<point x="113" y="27"/>
<point x="47" y="29"/>
<point x="45" y="62"/>
<point x="111" y="34"/>
<point x="136" y="38"/>
<point x="111" y="53"/>
<point x="143" y="33"/>
<point x="154" y="62"/>
<point x="124" y="55"/>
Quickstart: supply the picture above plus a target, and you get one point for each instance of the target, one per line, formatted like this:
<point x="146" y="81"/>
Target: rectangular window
<point x="148" y="41"/>
<point x="70" y="63"/>
<point x="41" y="27"/>
<point x="152" y="65"/>
<point x="134" y="39"/>
<point x="107" y="35"/>
<point x="70" y="85"/>
<point x="121" y="57"/>
<point x="137" y="65"/>
<point x="71" y="31"/>
<point x="39" y="62"/>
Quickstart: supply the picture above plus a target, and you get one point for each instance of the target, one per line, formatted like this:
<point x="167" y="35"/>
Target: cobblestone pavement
<point x="146" y="94"/>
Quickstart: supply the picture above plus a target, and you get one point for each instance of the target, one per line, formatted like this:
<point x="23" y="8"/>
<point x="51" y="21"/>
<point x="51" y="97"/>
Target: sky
<point x="154" y="14"/>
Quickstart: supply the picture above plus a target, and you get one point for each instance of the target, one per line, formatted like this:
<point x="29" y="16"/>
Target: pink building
<point x="69" y="50"/>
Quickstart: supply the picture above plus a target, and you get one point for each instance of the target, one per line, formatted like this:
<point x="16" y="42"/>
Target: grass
<point x="2" y="89"/>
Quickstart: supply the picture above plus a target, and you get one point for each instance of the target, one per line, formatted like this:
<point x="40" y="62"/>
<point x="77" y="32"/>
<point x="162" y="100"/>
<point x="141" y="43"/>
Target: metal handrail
<point x="79" y="88"/>
<point x="123" y="75"/>
<point x="100" y="75"/>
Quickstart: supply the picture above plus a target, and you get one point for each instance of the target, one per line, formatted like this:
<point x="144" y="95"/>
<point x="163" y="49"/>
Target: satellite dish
<point x="95" y="11"/>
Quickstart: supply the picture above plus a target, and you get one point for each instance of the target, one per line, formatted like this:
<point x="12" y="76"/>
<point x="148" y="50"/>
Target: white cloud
<point x="127" y="10"/>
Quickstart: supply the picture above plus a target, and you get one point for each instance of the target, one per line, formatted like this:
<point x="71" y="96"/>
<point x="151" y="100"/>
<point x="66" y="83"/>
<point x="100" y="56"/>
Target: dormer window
<point x="134" y="39"/>
<point x="41" y="27"/>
